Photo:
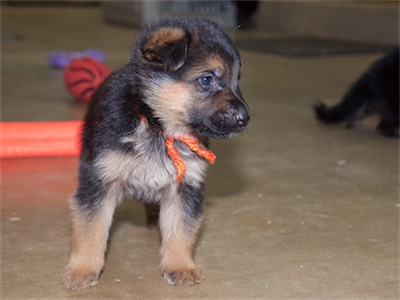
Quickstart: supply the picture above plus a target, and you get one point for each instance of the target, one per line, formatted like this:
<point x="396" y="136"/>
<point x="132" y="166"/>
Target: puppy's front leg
<point x="180" y="218"/>
<point x="90" y="231"/>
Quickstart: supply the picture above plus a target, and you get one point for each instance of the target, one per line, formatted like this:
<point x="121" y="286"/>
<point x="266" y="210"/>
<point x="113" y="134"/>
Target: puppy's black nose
<point x="242" y="117"/>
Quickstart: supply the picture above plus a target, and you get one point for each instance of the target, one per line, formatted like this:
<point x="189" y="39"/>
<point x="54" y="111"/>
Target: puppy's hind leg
<point x="91" y="224"/>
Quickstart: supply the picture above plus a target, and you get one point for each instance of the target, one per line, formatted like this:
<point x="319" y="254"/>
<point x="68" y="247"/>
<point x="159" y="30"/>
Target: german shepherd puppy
<point x="376" y="91"/>
<point x="145" y="137"/>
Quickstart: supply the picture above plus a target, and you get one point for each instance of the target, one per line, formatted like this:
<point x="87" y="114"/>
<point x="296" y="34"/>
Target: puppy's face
<point x="193" y="72"/>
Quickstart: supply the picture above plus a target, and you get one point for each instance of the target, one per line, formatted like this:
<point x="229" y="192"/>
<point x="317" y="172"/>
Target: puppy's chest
<point x="146" y="172"/>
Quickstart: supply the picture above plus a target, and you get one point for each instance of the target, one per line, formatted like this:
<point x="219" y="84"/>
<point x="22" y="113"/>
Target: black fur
<point x="181" y="80"/>
<point x="377" y="90"/>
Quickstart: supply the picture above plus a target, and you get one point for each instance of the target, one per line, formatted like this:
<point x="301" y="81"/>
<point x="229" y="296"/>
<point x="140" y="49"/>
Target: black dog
<point x="145" y="137"/>
<point x="377" y="90"/>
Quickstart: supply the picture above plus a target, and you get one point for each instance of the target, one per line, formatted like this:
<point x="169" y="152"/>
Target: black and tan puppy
<point x="145" y="137"/>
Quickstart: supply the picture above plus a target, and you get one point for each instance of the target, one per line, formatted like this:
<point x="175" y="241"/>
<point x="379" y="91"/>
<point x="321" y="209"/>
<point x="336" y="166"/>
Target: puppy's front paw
<point x="187" y="276"/>
<point x="78" y="278"/>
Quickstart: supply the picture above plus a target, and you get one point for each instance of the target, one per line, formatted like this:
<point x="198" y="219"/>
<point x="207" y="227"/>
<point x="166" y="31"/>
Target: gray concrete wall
<point x="378" y="23"/>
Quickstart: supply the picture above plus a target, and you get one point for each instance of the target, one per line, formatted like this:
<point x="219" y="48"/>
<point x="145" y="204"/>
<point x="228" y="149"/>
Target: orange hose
<point x="39" y="139"/>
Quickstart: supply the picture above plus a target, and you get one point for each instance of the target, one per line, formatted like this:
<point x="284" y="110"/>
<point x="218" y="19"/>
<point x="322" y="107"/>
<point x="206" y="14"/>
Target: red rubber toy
<point x="83" y="76"/>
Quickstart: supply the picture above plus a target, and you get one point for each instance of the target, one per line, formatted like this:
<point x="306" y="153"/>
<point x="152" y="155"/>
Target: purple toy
<point x="59" y="60"/>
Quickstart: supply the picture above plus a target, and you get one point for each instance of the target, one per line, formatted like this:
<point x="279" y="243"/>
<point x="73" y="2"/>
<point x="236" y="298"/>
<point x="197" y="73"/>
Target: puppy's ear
<point x="167" y="48"/>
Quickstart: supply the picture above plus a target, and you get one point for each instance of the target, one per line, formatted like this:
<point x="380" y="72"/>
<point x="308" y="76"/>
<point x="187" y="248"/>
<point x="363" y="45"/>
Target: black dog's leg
<point x="180" y="218"/>
<point x="91" y="224"/>
<point x="389" y="123"/>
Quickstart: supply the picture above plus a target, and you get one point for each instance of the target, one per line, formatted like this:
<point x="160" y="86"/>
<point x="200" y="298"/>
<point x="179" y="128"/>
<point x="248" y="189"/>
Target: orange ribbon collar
<point x="193" y="144"/>
<point x="173" y="153"/>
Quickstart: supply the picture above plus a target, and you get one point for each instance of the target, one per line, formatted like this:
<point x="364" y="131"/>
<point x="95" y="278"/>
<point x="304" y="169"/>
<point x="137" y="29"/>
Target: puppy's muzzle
<point x="233" y="119"/>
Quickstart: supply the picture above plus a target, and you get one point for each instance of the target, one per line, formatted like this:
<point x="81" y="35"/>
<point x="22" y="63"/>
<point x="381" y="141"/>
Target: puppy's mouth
<point x="220" y="130"/>
<point x="214" y="132"/>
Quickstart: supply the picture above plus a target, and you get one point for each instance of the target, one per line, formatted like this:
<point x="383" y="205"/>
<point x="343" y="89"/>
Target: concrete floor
<point x="295" y="209"/>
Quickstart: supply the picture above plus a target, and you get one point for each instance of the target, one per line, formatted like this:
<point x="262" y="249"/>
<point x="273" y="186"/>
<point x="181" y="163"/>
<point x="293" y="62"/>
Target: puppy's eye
<point x="206" y="80"/>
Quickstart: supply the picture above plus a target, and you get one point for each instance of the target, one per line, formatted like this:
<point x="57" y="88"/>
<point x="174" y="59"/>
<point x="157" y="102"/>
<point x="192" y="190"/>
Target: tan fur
<point x="177" y="265"/>
<point x="89" y="243"/>
<point x="163" y="36"/>
<point x="170" y="100"/>
<point x="214" y="63"/>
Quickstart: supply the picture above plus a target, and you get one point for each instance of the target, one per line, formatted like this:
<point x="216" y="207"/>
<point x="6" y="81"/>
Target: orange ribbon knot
<point x="193" y="144"/>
